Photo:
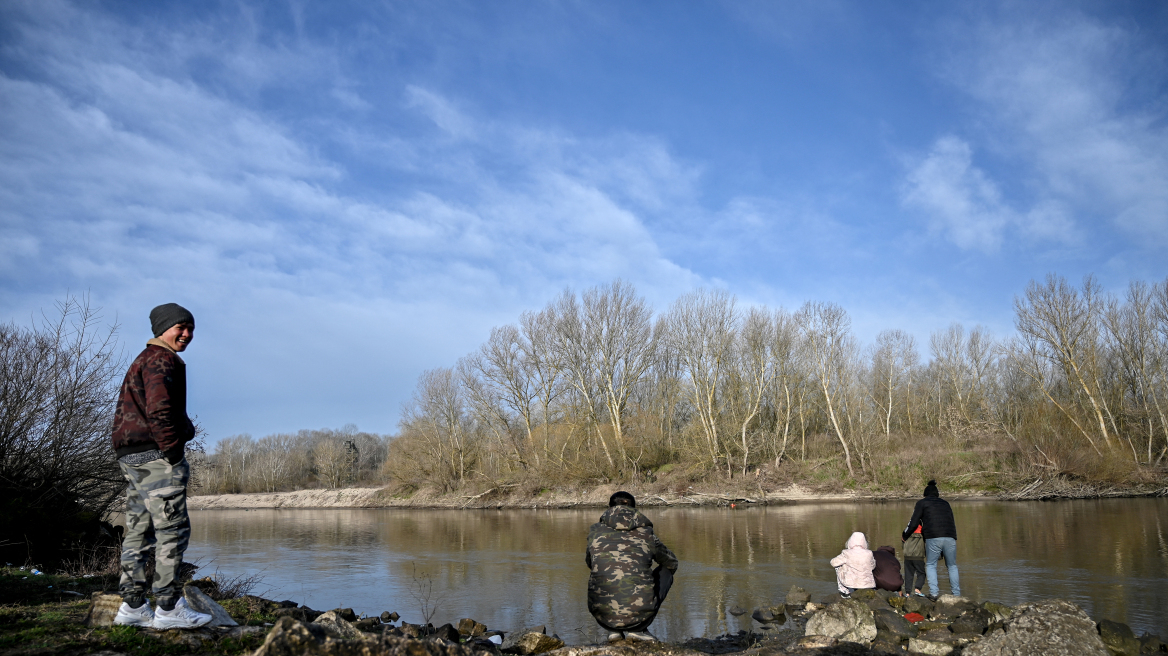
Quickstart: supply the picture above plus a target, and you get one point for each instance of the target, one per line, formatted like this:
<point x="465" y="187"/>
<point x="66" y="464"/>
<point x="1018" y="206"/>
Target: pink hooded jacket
<point x="855" y="563"/>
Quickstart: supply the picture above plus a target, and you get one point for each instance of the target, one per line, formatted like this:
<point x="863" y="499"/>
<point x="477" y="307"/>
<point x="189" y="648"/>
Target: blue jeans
<point x="936" y="548"/>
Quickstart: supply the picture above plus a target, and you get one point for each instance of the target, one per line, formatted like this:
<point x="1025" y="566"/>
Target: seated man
<point x="624" y="591"/>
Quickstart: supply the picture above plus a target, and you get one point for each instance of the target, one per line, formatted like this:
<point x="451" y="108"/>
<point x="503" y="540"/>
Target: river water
<point x="512" y="569"/>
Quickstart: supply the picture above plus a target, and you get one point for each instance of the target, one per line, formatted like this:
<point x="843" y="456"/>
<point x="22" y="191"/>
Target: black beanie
<point x="166" y="315"/>
<point x="622" y="498"/>
<point x="931" y="489"/>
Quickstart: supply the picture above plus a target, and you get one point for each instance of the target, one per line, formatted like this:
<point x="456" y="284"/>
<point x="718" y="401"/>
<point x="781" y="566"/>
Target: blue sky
<point x="348" y="193"/>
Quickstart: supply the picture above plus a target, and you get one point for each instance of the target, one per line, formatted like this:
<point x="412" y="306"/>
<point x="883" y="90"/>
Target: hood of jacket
<point x="857" y="540"/>
<point x="624" y="518"/>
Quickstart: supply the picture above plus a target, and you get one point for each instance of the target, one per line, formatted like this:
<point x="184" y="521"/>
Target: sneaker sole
<point x="146" y="624"/>
<point x="172" y="624"/>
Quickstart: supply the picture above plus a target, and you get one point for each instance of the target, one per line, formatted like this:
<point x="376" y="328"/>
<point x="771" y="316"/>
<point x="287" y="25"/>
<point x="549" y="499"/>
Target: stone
<point x="388" y="617"/>
<point x="1001" y="612"/>
<point x="346" y="614"/>
<point x="368" y="625"/>
<point x="199" y="601"/>
<point x="951" y="606"/>
<point x="896" y="602"/>
<point x="102" y="609"/>
<point x="737" y="610"/>
<point x="797" y="596"/>
<point x="865" y="594"/>
<point x="975" y="620"/>
<point x="287" y="603"/>
<point x="849" y="620"/>
<point x="338" y="627"/>
<point x="887" y="646"/>
<point x="888" y="620"/>
<point x="1150" y="644"/>
<point x="769" y="615"/>
<point x="290" y="637"/>
<point x="295" y="613"/>
<point x="469" y="627"/>
<point x="816" y="642"/>
<point x="447" y="632"/>
<point x="915" y="604"/>
<point x="877" y="604"/>
<point x="412" y="630"/>
<point x="929" y="647"/>
<point x="1052" y="627"/>
<point x="259" y="605"/>
<point x="1118" y="638"/>
<point x="534" y="643"/>
<point x="513" y="641"/>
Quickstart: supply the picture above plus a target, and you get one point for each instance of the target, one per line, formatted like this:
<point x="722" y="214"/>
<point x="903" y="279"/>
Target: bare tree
<point x="701" y="327"/>
<point x="827" y="329"/>
<point x="544" y="365"/>
<point x="1058" y="325"/>
<point x="1132" y="331"/>
<point x="755" y="368"/>
<point x="893" y="360"/>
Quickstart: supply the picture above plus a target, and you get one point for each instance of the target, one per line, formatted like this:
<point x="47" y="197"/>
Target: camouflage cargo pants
<point x="156" y="498"/>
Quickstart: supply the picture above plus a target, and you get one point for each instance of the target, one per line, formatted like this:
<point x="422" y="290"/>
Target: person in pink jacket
<point x="854" y="565"/>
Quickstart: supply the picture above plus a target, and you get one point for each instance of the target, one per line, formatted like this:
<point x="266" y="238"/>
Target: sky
<point x="346" y="194"/>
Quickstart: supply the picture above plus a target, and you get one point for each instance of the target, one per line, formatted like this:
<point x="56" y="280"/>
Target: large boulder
<point x="1053" y="627"/>
<point x="1118" y="638"/>
<point x="975" y="620"/>
<point x="336" y="626"/>
<point x="849" y="620"/>
<point x="290" y="637"/>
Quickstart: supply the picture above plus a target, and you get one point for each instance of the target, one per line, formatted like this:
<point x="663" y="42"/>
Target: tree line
<point x="596" y="386"/>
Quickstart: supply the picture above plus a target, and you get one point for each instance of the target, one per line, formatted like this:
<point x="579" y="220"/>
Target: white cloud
<point x="1080" y="101"/>
<point x="960" y="201"/>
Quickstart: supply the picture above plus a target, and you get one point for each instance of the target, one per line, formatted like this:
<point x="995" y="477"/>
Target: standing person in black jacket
<point x="940" y="537"/>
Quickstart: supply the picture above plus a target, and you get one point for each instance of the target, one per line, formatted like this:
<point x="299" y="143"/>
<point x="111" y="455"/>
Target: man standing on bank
<point x="940" y="534"/>
<point x="624" y="591"/>
<point x="151" y="429"/>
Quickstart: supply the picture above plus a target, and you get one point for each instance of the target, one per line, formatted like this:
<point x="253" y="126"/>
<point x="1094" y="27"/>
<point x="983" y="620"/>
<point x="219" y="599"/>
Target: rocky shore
<point x="513" y="496"/>
<point x="870" y="622"/>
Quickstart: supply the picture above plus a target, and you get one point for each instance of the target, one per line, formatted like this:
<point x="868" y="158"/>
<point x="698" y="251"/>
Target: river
<point x="512" y="569"/>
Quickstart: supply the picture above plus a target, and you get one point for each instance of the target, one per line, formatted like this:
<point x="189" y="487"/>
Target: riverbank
<point x="60" y="614"/>
<point x="519" y="496"/>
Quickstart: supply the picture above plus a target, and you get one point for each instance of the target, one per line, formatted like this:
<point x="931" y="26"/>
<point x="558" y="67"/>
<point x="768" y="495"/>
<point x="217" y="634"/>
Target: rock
<point x="534" y="643"/>
<point x="346" y="614"/>
<point x="338" y="627"/>
<point x="887" y="620"/>
<point x="915" y="604"/>
<point x="1001" y="612"/>
<point x="877" y="604"/>
<point x="928" y="647"/>
<point x="951" y="606"/>
<point x="295" y="613"/>
<point x="975" y="620"/>
<point x="865" y="594"/>
<point x="287" y="603"/>
<point x="849" y="620"/>
<point x="469" y="627"/>
<point x="259" y="605"/>
<point x="413" y="630"/>
<point x="198" y="600"/>
<point x="737" y="610"/>
<point x="769" y="615"/>
<point x="1054" y="627"/>
<point x="208" y="585"/>
<point x="388" y="617"/>
<point x="896" y="602"/>
<point x="102" y="609"/>
<point x="447" y="632"/>
<point x="797" y="596"/>
<point x="1118" y="638"/>
<point x="513" y="641"/>
<point x="816" y="642"/>
<point x="887" y="646"/>
<point x="1150" y="644"/>
<point x="292" y="638"/>
<point x="368" y="625"/>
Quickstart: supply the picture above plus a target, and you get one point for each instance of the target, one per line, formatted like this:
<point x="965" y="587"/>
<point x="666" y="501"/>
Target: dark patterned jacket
<point x="621" y="550"/>
<point x="152" y="405"/>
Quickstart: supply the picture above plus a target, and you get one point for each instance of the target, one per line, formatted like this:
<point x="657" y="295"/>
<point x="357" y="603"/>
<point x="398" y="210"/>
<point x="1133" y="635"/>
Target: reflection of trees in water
<point x="527" y="566"/>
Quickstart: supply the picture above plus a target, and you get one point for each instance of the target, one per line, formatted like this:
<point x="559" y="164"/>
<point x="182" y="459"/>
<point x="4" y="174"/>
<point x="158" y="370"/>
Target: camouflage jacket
<point x="152" y="404"/>
<point x="621" y="552"/>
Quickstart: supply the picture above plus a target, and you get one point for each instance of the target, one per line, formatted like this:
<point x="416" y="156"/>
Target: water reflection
<point x="516" y="568"/>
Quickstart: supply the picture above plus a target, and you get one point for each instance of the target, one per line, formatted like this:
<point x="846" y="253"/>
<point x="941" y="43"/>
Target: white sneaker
<point x="182" y="617"/>
<point x="643" y="636"/>
<point x="616" y="635"/>
<point x="140" y="616"/>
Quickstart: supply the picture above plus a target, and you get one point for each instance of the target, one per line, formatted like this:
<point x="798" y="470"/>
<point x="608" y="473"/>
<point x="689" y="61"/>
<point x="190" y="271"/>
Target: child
<point x="854" y="565"/>
<point x="914" y="562"/>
